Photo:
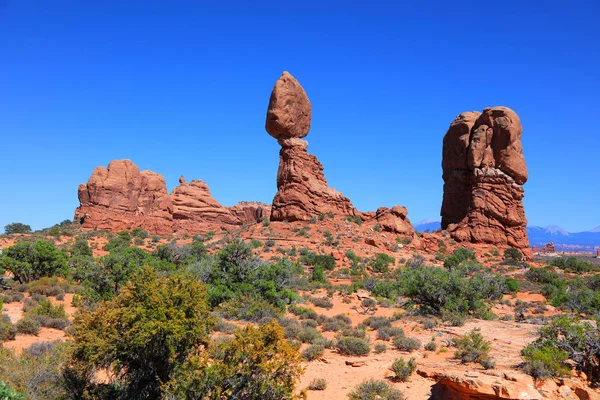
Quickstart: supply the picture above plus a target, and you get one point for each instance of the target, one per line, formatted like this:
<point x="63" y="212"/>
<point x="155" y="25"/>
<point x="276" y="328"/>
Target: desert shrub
<point x="512" y="254"/>
<point x="357" y="332"/>
<point x="429" y="323"/>
<point x="389" y="332"/>
<point x="457" y="257"/>
<point x="572" y="264"/>
<point x="8" y="393"/>
<point x="487" y="363"/>
<point x="28" y="326"/>
<point x="7" y="329"/>
<point x="336" y="323"/>
<point x="318" y="260"/>
<point x="472" y="347"/>
<point x="225" y="327"/>
<point x="442" y="292"/>
<point x="81" y="248"/>
<point x="356" y="219"/>
<point x="545" y="362"/>
<point x="416" y="261"/>
<point x="405" y="343"/>
<point x="317" y="384"/>
<point x="147" y="330"/>
<point x="376" y="322"/>
<point x="403" y="370"/>
<point x="309" y="323"/>
<point x="379" y="348"/>
<point x="259" y="363"/>
<point x="309" y="335"/>
<point x="580" y="341"/>
<point x="352" y="346"/>
<point x="14" y="297"/>
<point x="245" y="308"/>
<point x="313" y="352"/>
<point x="38" y="371"/>
<point x="375" y="390"/>
<point x="139" y="233"/>
<point x="28" y="261"/>
<point x="368" y="306"/>
<point x="303" y="312"/>
<point x="430" y="346"/>
<point x="381" y="262"/>
<point x="322" y="302"/>
<point x="512" y="286"/>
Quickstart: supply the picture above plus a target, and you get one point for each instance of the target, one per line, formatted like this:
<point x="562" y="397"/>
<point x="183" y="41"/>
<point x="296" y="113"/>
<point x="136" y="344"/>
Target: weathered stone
<point x="484" y="171"/>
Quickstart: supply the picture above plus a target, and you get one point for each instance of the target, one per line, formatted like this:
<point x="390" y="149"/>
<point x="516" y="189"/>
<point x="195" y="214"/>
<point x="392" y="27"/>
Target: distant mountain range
<point x="539" y="236"/>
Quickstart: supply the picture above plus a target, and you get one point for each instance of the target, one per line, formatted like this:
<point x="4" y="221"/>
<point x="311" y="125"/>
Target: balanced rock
<point x="484" y="171"/>
<point x="302" y="190"/>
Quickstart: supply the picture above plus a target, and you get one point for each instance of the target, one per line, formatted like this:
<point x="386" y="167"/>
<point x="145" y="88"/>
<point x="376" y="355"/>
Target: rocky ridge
<point x="123" y="197"/>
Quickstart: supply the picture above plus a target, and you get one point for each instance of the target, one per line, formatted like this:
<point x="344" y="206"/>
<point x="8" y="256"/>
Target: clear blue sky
<point x="181" y="87"/>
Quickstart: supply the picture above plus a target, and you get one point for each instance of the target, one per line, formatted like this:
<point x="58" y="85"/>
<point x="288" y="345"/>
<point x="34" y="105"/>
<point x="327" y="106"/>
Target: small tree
<point x="144" y="333"/>
<point x="259" y="363"/>
<point x="30" y="261"/>
<point x="512" y="254"/>
<point x="368" y="306"/>
<point x="17" y="227"/>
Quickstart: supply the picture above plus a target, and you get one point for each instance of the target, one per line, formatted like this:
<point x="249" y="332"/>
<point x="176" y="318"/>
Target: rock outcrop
<point x="123" y="197"/>
<point x="484" y="172"/>
<point x="302" y="190"/>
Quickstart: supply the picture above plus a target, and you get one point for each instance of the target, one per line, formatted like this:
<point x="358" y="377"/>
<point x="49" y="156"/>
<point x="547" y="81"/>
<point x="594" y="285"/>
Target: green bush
<point x="512" y="254"/>
<point x="309" y="335"/>
<point x="402" y="369"/>
<point x="512" y="286"/>
<point x="313" y="352"/>
<point x="375" y="390"/>
<point x="7" y="393"/>
<point x="352" y="346"/>
<point x="38" y="371"/>
<point x="379" y="348"/>
<point x="7" y="329"/>
<point x="472" y="347"/>
<point x="545" y="362"/>
<point x="28" y="326"/>
<point x="139" y="233"/>
<point x="381" y="262"/>
<point x="405" y="343"/>
<point x="389" y="332"/>
<point x="318" y="383"/>
<point x="430" y="346"/>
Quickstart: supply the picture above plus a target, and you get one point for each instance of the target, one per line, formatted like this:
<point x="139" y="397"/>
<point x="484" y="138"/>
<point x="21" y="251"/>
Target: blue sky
<point x="181" y="87"/>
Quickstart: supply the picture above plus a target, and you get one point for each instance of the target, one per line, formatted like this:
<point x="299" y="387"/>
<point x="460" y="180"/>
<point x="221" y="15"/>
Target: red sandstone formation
<point x="484" y="173"/>
<point x="548" y="248"/>
<point x="302" y="190"/>
<point x="121" y="197"/>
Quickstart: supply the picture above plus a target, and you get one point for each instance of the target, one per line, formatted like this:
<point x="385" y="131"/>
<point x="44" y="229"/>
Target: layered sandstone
<point x="123" y="197"/>
<point x="484" y="171"/>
